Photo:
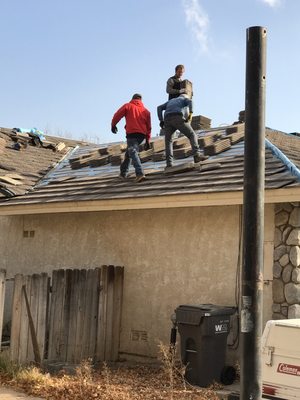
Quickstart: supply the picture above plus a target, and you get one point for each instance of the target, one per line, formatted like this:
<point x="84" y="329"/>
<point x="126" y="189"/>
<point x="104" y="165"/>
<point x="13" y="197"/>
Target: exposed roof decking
<point x="228" y="177"/>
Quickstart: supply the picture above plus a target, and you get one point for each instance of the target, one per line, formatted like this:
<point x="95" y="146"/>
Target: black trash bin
<point x="203" y="333"/>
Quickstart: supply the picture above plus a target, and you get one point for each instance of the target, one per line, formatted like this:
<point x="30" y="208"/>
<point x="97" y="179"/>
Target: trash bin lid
<point x="191" y="314"/>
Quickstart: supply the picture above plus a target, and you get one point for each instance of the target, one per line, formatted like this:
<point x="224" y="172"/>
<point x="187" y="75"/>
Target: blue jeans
<point x="132" y="154"/>
<point x="172" y="123"/>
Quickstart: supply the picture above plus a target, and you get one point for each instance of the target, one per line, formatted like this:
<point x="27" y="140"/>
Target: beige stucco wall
<point x="171" y="257"/>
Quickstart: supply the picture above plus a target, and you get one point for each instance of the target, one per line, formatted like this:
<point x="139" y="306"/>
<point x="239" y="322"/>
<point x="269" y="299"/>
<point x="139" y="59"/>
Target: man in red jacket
<point x="138" y="128"/>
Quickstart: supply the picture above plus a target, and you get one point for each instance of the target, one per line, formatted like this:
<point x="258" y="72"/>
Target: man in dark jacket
<point x="138" y="128"/>
<point x="174" y="83"/>
<point x="178" y="114"/>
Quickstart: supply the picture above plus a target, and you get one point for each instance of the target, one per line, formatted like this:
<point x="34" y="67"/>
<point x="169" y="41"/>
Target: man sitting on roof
<point x="175" y="118"/>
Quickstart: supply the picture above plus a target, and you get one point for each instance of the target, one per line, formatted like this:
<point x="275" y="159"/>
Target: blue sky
<point x="68" y="65"/>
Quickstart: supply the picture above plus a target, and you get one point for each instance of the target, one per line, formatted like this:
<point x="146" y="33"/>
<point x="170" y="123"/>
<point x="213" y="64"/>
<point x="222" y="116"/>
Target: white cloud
<point x="197" y="21"/>
<point x="272" y="3"/>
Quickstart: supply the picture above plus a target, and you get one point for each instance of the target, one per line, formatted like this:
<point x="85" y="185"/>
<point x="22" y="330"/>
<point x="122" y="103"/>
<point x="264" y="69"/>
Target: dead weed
<point x="124" y="383"/>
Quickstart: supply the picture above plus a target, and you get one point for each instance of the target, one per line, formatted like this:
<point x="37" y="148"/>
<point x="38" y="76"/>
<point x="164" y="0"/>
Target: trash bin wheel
<point x="228" y="375"/>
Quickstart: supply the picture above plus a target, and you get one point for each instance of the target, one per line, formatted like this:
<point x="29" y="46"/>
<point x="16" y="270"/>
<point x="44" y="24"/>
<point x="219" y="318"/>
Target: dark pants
<point x="132" y="154"/>
<point x="172" y="123"/>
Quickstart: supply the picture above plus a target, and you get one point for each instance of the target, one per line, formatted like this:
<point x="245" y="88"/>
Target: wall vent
<point x="139" y="336"/>
<point x="28" y="234"/>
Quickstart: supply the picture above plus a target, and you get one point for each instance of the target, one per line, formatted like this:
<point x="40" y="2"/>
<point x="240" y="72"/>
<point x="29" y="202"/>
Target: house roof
<point x="287" y="143"/>
<point x="20" y="170"/>
<point x="80" y="177"/>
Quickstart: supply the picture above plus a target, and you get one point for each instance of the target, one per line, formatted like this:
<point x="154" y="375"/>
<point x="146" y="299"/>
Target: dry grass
<point x="8" y="369"/>
<point x="125" y="383"/>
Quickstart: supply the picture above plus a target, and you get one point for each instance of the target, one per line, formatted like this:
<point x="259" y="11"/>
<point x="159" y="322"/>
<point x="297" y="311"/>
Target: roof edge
<point x="171" y="201"/>
<point x="294" y="170"/>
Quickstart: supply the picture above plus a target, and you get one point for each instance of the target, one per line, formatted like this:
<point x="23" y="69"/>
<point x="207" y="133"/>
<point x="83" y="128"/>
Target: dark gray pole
<point x="254" y="168"/>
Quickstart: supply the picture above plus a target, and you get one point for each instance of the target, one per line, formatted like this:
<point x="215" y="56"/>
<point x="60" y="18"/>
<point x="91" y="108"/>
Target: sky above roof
<point x="68" y="65"/>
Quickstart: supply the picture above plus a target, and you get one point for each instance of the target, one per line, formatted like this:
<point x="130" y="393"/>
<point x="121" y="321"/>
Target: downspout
<point x="288" y="163"/>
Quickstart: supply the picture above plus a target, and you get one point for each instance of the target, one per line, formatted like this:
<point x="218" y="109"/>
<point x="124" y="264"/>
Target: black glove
<point x="147" y="145"/>
<point x="162" y="124"/>
<point x="114" y="129"/>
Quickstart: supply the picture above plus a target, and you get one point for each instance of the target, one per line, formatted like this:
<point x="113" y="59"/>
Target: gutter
<point x="286" y="161"/>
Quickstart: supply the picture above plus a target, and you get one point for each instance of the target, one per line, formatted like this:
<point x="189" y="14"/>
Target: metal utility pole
<point x="253" y="216"/>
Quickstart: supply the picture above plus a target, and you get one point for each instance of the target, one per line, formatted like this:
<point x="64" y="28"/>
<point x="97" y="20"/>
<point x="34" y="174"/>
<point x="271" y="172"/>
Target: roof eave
<point x="172" y="201"/>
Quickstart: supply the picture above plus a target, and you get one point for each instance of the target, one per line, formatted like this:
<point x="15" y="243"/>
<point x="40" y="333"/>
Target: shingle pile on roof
<point x="200" y="122"/>
<point x="22" y="166"/>
<point x="211" y="142"/>
<point x="83" y="175"/>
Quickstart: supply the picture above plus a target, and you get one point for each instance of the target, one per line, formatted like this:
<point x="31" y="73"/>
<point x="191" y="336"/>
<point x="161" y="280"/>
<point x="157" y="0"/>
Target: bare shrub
<point x="128" y="382"/>
<point x="172" y="367"/>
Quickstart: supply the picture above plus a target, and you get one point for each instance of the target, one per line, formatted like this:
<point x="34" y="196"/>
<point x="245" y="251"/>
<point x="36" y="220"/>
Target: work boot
<point x="199" y="157"/>
<point x="123" y="177"/>
<point x="140" y="178"/>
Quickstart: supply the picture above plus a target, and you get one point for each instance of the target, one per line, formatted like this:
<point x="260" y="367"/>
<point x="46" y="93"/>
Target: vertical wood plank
<point x="117" y="311"/>
<point x="81" y="299"/>
<point x="33" y="304"/>
<point x="24" y="329"/>
<point x="56" y="314"/>
<point x="32" y="331"/>
<point x="2" y="297"/>
<point x="73" y="316"/>
<point x="52" y="331"/>
<point x="94" y="312"/>
<point x="88" y="314"/>
<point x="66" y="316"/>
<point x="42" y="316"/>
<point x="109" y="313"/>
<point x="16" y="318"/>
<point x="102" y="317"/>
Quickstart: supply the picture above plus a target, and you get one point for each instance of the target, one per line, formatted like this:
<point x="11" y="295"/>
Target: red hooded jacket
<point x="138" y="119"/>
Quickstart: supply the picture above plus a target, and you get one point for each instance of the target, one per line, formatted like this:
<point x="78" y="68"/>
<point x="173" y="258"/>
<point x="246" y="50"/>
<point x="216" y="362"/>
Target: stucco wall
<point x="171" y="257"/>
